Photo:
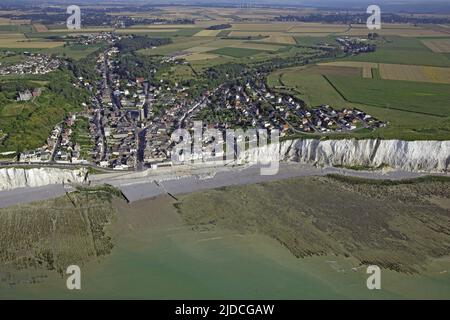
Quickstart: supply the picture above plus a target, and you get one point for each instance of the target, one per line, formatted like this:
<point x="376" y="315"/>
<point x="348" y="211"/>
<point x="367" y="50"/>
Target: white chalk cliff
<point x="12" y="178"/>
<point x="417" y="156"/>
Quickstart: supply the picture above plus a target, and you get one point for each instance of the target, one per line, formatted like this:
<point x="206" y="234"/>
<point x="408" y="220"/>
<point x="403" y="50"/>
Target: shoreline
<point x="189" y="179"/>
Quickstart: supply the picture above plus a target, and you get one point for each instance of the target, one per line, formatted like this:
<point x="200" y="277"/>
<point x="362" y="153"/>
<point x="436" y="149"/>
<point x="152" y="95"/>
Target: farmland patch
<point x="415" y="73"/>
<point x="438" y="45"/>
<point x="236" y="52"/>
<point x="207" y="33"/>
<point x="39" y="27"/>
<point x="200" y="56"/>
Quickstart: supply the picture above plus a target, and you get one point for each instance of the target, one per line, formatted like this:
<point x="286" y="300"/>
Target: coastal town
<point x="129" y="121"/>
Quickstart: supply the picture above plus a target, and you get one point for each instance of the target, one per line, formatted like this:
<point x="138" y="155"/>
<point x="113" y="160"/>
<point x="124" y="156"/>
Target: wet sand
<point x="156" y="256"/>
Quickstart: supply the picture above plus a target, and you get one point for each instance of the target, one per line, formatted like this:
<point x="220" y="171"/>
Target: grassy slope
<point x="28" y="124"/>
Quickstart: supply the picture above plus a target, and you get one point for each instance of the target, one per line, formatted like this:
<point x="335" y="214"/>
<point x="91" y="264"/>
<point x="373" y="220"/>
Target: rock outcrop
<point x="12" y="178"/>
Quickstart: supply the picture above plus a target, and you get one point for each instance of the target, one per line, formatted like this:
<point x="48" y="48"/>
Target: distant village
<point x="357" y="45"/>
<point x="34" y="63"/>
<point x="95" y="38"/>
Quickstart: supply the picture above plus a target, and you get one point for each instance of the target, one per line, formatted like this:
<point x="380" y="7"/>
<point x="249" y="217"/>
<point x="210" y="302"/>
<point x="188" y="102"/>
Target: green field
<point x="236" y="52"/>
<point x="16" y="28"/>
<point x="76" y="51"/>
<point x="400" y="50"/>
<point x="418" y="97"/>
<point x="187" y="32"/>
<point x="309" y="86"/>
<point x="177" y="73"/>
<point x="314" y="41"/>
<point x="179" y="44"/>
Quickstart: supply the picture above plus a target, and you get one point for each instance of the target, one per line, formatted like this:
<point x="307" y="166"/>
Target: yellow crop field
<point x="200" y="49"/>
<point x="200" y="56"/>
<point x="319" y="28"/>
<point x="398" y="71"/>
<point x="150" y="31"/>
<point x="18" y="40"/>
<point x="163" y="26"/>
<point x="310" y="34"/>
<point x="283" y="39"/>
<point x="267" y="27"/>
<point x="82" y="30"/>
<point x="273" y="37"/>
<point x="257" y="46"/>
<point x="415" y="73"/>
<point x="207" y="33"/>
<point x="220" y="43"/>
<point x="40" y="27"/>
<point x="253" y="33"/>
<point x="8" y="21"/>
<point x="438" y="45"/>
<point x="13" y="36"/>
<point x="403" y="32"/>
<point x="351" y="64"/>
<point x="366" y="67"/>
<point x="9" y="43"/>
<point x="367" y="73"/>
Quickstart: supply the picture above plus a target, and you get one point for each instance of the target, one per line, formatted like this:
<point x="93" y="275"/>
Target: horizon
<point x="398" y="6"/>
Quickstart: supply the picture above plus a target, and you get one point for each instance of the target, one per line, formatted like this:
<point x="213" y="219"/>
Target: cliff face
<point x="11" y="178"/>
<point x="416" y="156"/>
<point x="419" y="156"/>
